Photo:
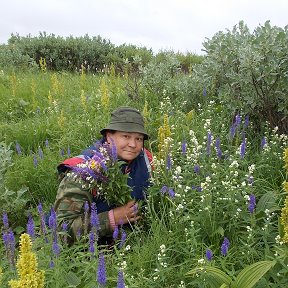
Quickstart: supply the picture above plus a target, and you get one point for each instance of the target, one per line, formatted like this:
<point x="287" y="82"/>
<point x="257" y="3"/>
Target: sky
<point x="162" y="25"/>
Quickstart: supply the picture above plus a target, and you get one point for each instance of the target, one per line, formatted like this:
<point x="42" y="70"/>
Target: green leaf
<point x="72" y="279"/>
<point x="251" y="274"/>
<point x="217" y="276"/>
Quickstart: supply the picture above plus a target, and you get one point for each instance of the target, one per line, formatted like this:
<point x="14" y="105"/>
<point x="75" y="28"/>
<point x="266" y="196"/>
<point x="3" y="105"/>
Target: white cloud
<point x="162" y="24"/>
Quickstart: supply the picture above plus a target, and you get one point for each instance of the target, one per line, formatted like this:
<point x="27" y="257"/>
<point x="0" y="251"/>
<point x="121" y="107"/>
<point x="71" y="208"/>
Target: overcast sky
<point x="178" y="25"/>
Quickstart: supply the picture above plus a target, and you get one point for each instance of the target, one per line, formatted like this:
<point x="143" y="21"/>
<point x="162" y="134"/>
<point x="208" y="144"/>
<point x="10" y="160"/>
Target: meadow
<point x="216" y="213"/>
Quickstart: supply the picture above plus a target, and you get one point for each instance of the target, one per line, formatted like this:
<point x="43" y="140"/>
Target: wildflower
<point x="232" y="131"/>
<point x="204" y="92"/>
<point x="94" y="220"/>
<point x="18" y="148"/>
<point x="242" y="148"/>
<point x="225" y="246"/>
<point x="101" y="272"/>
<point x="184" y="148"/>
<point x="115" y="233"/>
<point x="168" y="162"/>
<point x="5" y="220"/>
<point x="246" y="122"/>
<point x="35" y="161"/>
<point x="252" y="203"/>
<point x="209" y="254"/>
<point x="42" y="221"/>
<point x="29" y="276"/>
<point x="68" y="151"/>
<point x="31" y="227"/>
<point x="164" y="189"/>
<point x="62" y="152"/>
<point x="91" y="241"/>
<point x="263" y="142"/>
<point x="9" y="244"/>
<point x="120" y="281"/>
<point x="55" y="247"/>
<point x="171" y="193"/>
<point x="52" y="221"/>
<point x="196" y="169"/>
<point x="40" y="153"/>
<point x="284" y="220"/>
<point x="217" y="148"/>
<point x="46" y="143"/>
<point x="123" y="238"/>
<point x="237" y="120"/>
<point x="209" y="141"/>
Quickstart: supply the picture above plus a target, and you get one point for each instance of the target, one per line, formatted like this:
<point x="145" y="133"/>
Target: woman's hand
<point x="126" y="213"/>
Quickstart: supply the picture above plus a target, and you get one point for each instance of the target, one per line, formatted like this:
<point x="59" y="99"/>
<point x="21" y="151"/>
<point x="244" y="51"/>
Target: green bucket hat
<point x="126" y="119"/>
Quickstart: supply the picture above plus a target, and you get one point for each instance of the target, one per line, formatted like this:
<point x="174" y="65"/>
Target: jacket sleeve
<point x="69" y="208"/>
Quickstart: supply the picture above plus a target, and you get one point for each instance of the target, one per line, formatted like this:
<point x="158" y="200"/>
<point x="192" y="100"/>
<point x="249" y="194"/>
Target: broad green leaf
<point x="251" y="274"/>
<point x="217" y="276"/>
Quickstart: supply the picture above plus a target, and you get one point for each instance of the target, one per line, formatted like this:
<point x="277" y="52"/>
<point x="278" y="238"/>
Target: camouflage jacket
<point x="69" y="207"/>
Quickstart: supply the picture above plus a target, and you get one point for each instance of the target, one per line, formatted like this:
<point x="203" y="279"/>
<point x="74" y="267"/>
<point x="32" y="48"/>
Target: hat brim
<point x="126" y="127"/>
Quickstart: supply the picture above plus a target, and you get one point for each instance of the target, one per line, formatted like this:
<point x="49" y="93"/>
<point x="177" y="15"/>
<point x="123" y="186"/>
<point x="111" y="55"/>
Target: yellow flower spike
<point x="43" y="64"/>
<point x="61" y="119"/>
<point x="284" y="220"/>
<point x="13" y="79"/>
<point x="83" y="100"/>
<point x="285" y="158"/>
<point x="55" y="84"/>
<point x="189" y="116"/>
<point x="50" y="98"/>
<point x="27" y="267"/>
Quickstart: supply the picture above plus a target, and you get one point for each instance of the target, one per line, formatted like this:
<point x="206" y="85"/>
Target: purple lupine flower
<point x="35" y="161"/>
<point x="55" y="247"/>
<point x="217" y="147"/>
<point x="204" y="92"/>
<point x="196" y="169"/>
<point x="164" y="189"/>
<point x="68" y="151"/>
<point x="246" y="121"/>
<point x="91" y="242"/>
<point x="243" y="148"/>
<point x="197" y="188"/>
<point x="123" y="238"/>
<point x="263" y="142"/>
<point x="46" y="143"/>
<point x="237" y="120"/>
<point x="252" y="203"/>
<point x="184" y="148"/>
<point x="225" y="246"/>
<point x="120" y="280"/>
<point x="52" y="221"/>
<point x="65" y="229"/>
<point x="40" y="153"/>
<point x="209" y="141"/>
<point x="232" y="131"/>
<point x="18" y="148"/>
<point x="51" y="264"/>
<point x="5" y="220"/>
<point x="115" y="233"/>
<point x="94" y="219"/>
<point x="101" y="272"/>
<point x="9" y="244"/>
<point x="171" y="193"/>
<point x="114" y="154"/>
<point x="168" y="162"/>
<point x="31" y="227"/>
<point x="209" y="254"/>
<point x="42" y="221"/>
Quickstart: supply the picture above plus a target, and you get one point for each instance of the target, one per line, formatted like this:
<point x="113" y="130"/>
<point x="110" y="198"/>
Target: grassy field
<point x="213" y="210"/>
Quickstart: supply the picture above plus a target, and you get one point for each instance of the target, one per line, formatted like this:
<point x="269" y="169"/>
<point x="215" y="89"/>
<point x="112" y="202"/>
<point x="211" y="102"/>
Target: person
<point x="126" y="131"/>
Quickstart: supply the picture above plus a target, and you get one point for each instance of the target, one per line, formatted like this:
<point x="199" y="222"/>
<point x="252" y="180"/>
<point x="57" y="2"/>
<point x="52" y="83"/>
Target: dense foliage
<point x="216" y="213"/>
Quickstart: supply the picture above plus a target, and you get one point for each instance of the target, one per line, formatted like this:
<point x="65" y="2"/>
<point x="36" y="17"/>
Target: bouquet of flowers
<point x="103" y="175"/>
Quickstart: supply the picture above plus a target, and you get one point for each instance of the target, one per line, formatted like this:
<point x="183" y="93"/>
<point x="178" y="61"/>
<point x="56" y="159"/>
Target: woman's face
<point x="128" y="144"/>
